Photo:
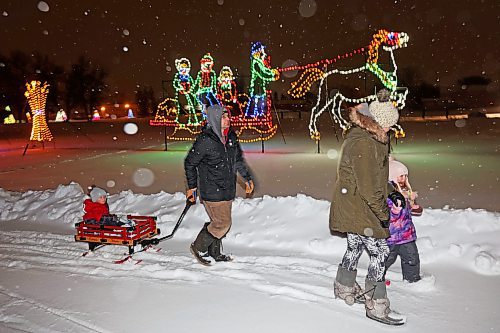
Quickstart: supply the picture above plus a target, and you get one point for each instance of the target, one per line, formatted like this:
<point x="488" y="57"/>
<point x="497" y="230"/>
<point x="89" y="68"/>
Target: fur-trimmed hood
<point x="368" y="124"/>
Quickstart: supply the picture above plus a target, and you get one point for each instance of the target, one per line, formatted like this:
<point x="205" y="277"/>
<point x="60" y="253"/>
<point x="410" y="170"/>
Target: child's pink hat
<point x="396" y="169"/>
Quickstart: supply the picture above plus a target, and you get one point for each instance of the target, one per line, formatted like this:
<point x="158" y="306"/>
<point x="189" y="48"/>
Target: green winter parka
<point x="360" y="192"/>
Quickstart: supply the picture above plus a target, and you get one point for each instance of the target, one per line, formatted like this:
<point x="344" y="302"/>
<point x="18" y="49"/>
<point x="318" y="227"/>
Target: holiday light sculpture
<point x="206" y="82"/>
<point x="167" y="110"/>
<point x="184" y="86"/>
<point x="257" y="124"/>
<point x="226" y="87"/>
<point x="226" y="91"/>
<point x="96" y="115"/>
<point x="9" y="119"/>
<point x="130" y="114"/>
<point x="261" y="76"/>
<point x="383" y="39"/>
<point x="36" y="93"/>
<point x="61" y="116"/>
<point x="170" y="112"/>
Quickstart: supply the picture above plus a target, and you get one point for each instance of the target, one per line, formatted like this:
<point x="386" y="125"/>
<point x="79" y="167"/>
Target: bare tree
<point x="85" y="86"/>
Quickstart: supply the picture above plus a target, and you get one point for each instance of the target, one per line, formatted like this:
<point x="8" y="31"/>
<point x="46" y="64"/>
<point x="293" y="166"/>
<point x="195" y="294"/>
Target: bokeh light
<point x="43" y="6"/>
<point x="289" y="63"/>
<point x="130" y="128"/>
<point x="332" y="154"/>
<point x="460" y="123"/>
<point x="307" y="8"/>
<point x="143" y="177"/>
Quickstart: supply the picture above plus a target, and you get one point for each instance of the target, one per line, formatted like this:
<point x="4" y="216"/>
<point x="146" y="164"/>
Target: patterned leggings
<point x="377" y="249"/>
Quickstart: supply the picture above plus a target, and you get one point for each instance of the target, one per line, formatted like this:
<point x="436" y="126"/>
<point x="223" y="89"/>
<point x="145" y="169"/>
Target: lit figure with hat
<point x="206" y="82"/>
<point x="261" y="75"/>
<point x="226" y="89"/>
<point x="184" y="86"/>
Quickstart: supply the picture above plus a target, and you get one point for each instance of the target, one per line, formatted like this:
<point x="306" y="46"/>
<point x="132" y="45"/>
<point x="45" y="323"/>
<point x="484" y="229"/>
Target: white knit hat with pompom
<point x="384" y="113"/>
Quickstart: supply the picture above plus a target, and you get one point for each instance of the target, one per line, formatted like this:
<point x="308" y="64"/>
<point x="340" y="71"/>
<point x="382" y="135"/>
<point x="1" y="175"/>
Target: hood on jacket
<point x="214" y="117"/>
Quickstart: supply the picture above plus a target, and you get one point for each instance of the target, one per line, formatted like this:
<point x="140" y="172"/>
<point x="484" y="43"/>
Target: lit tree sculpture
<point x="36" y="93"/>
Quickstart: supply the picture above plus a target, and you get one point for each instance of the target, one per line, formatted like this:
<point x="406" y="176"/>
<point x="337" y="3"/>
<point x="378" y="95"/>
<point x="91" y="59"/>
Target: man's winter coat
<point x="401" y="228"/>
<point x="360" y="193"/>
<point x="94" y="210"/>
<point x="211" y="165"/>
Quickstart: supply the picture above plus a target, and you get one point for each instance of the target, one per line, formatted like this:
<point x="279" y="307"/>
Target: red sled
<point x="97" y="234"/>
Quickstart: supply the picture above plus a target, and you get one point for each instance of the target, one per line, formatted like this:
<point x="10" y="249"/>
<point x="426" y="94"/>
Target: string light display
<point x="388" y="41"/>
<point x="184" y="86"/>
<point x="169" y="112"/>
<point x="167" y="115"/>
<point x="9" y="119"/>
<point x="251" y="126"/>
<point x="226" y="87"/>
<point x="36" y="93"/>
<point x="261" y="76"/>
<point x="96" y="115"/>
<point x="227" y="93"/>
<point x="206" y="82"/>
<point x="61" y="116"/>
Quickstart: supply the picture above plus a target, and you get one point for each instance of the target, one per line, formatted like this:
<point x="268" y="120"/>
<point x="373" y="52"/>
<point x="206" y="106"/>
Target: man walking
<point x="211" y="168"/>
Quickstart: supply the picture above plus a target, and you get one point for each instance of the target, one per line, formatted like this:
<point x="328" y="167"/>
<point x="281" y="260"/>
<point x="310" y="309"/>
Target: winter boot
<point x="377" y="304"/>
<point x="206" y="254"/>
<point x="346" y="288"/>
<point x="199" y="248"/>
<point x="214" y="251"/>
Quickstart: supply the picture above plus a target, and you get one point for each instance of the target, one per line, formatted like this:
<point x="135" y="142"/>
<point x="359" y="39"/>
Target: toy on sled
<point x="97" y="234"/>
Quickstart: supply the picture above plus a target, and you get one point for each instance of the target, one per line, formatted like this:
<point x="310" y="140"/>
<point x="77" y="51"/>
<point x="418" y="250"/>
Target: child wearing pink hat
<point x="402" y="241"/>
<point x="398" y="174"/>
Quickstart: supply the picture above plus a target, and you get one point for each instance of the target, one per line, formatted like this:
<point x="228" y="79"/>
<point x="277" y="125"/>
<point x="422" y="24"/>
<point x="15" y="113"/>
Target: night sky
<point x="448" y="39"/>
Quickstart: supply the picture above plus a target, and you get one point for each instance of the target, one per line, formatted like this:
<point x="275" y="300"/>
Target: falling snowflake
<point x="43" y="6"/>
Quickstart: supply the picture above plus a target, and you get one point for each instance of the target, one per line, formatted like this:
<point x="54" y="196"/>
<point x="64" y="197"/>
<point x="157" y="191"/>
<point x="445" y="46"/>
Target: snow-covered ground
<point x="285" y="257"/>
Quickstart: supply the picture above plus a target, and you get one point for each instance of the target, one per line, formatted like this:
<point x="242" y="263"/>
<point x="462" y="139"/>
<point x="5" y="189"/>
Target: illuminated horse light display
<point x="388" y="41"/>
